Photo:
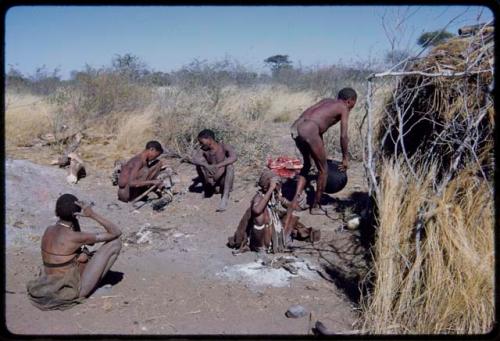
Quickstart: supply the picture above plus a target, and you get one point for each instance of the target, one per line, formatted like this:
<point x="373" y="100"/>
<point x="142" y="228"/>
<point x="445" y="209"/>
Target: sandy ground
<point x="181" y="278"/>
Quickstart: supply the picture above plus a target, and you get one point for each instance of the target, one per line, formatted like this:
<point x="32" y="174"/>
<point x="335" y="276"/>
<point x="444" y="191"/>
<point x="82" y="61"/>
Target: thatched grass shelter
<point x="433" y="161"/>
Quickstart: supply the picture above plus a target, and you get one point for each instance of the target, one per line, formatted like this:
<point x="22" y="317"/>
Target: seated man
<point x="262" y="224"/>
<point x="214" y="164"/>
<point x="139" y="173"/>
<point x="71" y="273"/>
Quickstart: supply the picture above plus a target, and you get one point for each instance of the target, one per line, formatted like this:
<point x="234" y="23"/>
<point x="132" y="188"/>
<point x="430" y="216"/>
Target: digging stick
<point x="146" y="192"/>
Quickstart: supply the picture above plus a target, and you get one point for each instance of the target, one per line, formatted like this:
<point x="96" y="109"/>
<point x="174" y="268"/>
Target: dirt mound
<point x="31" y="191"/>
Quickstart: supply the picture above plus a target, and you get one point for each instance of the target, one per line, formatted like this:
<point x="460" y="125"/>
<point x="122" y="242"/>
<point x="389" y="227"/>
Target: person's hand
<point x="273" y="183"/>
<point x="211" y="169"/>
<point x="159" y="184"/>
<point x="86" y="209"/>
<point x="82" y="258"/>
<point x="345" y="164"/>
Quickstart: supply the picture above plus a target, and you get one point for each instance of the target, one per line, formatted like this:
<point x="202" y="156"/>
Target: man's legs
<point x="318" y="154"/>
<point x="302" y="180"/>
<point x="124" y="193"/>
<point x="99" y="265"/>
<point x="227" y="181"/>
<point x="301" y="183"/>
<point x="207" y="181"/>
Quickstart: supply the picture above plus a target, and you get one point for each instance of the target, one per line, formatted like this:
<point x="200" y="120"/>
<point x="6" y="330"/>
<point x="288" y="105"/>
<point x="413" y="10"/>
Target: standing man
<point x="214" y="164"/>
<point x="138" y="174"/>
<point x="307" y="132"/>
<point x="71" y="273"/>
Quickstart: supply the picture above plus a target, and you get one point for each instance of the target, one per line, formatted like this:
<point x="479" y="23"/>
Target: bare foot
<point x="222" y="206"/>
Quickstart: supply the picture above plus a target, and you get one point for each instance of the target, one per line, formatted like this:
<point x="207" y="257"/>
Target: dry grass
<point x="448" y="287"/>
<point x="135" y="130"/>
<point x="26" y="117"/>
<point x="274" y="103"/>
<point x="243" y="117"/>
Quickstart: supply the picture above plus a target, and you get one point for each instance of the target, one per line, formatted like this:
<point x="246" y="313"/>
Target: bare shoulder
<point x="49" y="231"/>
<point x="227" y="146"/>
<point x="256" y="198"/>
<point x="134" y="162"/>
<point x="322" y="105"/>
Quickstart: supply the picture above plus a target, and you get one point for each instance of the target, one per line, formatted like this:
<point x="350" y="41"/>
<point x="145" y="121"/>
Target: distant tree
<point x="433" y="38"/>
<point x="44" y="81"/>
<point x="15" y="80"/>
<point x="278" y="62"/>
<point x="130" y="66"/>
<point x="158" y="78"/>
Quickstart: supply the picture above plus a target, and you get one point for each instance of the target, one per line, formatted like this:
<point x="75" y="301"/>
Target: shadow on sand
<point x="346" y="259"/>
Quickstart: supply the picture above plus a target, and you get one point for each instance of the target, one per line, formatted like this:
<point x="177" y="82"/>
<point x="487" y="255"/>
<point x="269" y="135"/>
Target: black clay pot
<point x="336" y="179"/>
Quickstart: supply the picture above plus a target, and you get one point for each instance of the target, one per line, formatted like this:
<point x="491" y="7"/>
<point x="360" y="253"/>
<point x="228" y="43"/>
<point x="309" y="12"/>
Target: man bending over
<point x="307" y="132"/>
<point x="214" y="164"/>
<point x="71" y="273"/>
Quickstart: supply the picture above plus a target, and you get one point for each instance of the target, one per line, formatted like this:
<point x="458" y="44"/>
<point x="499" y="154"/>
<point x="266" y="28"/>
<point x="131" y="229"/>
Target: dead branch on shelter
<point x="441" y="109"/>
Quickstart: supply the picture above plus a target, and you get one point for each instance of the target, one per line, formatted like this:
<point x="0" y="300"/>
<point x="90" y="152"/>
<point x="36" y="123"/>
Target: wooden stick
<point x="146" y="192"/>
<point x="445" y="73"/>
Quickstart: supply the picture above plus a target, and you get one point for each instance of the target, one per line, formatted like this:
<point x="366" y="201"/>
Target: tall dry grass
<point x="26" y="117"/>
<point x="274" y="103"/>
<point x="446" y="286"/>
<point x="134" y="131"/>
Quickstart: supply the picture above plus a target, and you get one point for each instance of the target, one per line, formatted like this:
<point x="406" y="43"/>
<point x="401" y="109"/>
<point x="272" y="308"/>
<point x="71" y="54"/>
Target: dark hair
<point x="66" y="207"/>
<point x="347" y="93"/>
<point x="206" y="134"/>
<point x="155" y="145"/>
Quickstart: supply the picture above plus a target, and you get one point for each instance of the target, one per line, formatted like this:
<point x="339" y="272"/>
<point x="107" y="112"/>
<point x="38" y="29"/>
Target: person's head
<point x="206" y="138"/>
<point x="153" y="150"/>
<point x="265" y="180"/>
<point x="349" y="96"/>
<point x="66" y="207"/>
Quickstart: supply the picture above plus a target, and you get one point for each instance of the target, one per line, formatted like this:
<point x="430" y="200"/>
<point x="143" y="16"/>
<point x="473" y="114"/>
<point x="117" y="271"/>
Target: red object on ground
<point x="284" y="166"/>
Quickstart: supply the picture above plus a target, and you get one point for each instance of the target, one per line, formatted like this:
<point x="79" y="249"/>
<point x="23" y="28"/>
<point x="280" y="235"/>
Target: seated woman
<point x="71" y="273"/>
<point x="261" y="227"/>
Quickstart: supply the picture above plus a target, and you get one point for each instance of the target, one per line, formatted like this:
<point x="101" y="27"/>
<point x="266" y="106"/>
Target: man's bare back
<point x="325" y="113"/>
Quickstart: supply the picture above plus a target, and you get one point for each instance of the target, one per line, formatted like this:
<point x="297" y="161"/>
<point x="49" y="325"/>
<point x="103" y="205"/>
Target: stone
<point x="296" y="311"/>
<point x="353" y="223"/>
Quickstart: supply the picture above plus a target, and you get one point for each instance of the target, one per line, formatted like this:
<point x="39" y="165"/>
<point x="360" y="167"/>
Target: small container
<point x="336" y="179"/>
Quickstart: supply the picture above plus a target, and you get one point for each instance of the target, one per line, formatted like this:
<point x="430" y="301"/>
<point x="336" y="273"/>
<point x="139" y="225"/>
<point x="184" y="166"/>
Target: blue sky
<point x="168" y="37"/>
